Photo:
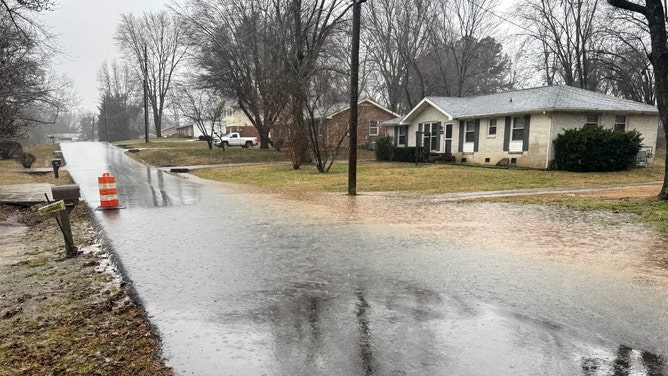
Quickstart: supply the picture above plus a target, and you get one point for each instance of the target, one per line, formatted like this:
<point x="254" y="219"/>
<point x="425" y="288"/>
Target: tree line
<point x="286" y="62"/>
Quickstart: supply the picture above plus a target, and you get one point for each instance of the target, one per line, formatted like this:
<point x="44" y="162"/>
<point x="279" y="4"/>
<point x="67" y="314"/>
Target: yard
<point x="63" y="315"/>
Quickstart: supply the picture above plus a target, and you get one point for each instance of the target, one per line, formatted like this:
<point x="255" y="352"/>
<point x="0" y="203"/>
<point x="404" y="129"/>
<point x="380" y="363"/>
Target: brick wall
<point x="366" y="112"/>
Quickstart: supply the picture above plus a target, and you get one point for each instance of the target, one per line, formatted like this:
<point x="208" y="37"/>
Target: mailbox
<point x="69" y="193"/>
<point x="55" y="163"/>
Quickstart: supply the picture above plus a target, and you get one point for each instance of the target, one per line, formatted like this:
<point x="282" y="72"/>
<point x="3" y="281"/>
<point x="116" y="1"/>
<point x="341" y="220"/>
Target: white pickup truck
<point x="235" y="139"/>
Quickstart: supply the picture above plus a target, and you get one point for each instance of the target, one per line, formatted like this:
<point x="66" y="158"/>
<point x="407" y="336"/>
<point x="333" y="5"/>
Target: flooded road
<point x="243" y="282"/>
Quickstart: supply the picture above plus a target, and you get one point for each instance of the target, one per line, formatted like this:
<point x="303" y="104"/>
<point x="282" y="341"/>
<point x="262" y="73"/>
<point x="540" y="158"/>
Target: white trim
<point x="420" y="107"/>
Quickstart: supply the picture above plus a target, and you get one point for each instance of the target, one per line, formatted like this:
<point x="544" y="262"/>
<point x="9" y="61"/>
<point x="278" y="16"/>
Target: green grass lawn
<point x="428" y="178"/>
<point x="438" y="178"/>
<point x="167" y="152"/>
<point x="275" y="172"/>
<point x="44" y="154"/>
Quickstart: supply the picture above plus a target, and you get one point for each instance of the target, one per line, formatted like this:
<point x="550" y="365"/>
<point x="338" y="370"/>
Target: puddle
<point x="596" y="241"/>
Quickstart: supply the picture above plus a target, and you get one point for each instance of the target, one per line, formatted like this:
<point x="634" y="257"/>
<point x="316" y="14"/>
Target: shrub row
<point x="386" y="151"/>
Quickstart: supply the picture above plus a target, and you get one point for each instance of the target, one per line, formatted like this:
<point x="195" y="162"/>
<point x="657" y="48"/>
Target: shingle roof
<point x="546" y="98"/>
<point x="340" y="107"/>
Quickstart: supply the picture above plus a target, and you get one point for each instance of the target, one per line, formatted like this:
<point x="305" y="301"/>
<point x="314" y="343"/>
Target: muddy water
<point x="239" y="281"/>
<point x="605" y="242"/>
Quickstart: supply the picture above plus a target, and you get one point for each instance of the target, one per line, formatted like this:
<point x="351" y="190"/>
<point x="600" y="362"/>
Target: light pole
<point x="354" y="97"/>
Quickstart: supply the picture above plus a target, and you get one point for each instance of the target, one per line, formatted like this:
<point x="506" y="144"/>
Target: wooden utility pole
<point x="145" y="95"/>
<point x="354" y="97"/>
<point x="106" y="126"/>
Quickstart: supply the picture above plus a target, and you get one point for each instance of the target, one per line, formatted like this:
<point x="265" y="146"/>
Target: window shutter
<point x="525" y="142"/>
<point x="476" y="135"/>
<point x="462" y="130"/>
<point x="396" y="136"/>
<point x="506" y="134"/>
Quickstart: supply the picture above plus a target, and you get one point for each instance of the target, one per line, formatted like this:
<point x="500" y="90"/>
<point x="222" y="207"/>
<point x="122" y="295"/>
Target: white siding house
<point x="519" y="125"/>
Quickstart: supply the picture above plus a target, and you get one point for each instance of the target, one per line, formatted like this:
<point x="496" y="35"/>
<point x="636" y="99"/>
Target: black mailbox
<point x="69" y="193"/>
<point x="55" y="163"/>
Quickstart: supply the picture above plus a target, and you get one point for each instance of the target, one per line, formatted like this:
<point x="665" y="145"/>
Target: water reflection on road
<point x="241" y="281"/>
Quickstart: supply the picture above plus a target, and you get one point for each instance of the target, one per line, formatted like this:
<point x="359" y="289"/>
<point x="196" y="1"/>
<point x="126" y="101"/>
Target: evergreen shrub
<point x="27" y="159"/>
<point x="10" y="149"/>
<point x="595" y="149"/>
<point x="404" y="154"/>
<point x="384" y="149"/>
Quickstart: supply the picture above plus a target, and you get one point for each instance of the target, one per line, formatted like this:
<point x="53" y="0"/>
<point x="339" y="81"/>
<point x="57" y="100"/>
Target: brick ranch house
<point x="333" y="124"/>
<point x="518" y="125"/>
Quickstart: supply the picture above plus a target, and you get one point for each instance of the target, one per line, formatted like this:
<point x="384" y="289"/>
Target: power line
<point x="472" y="2"/>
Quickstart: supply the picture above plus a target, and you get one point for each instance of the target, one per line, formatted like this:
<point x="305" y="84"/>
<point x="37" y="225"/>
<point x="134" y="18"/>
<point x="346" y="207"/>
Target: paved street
<point x="242" y="282"/>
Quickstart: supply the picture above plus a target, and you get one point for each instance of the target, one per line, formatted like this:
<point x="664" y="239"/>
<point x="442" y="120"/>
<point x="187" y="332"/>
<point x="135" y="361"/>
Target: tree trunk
<point x="264" y="139"/>
<point x="659" y="59"/>
<point x="654" y="13"/>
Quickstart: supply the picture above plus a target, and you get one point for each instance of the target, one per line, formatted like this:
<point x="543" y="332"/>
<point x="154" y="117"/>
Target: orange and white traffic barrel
<point x="108" y="192"/>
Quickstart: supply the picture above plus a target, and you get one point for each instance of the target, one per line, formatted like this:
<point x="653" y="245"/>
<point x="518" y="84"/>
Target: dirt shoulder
<point x="62" y="315"/>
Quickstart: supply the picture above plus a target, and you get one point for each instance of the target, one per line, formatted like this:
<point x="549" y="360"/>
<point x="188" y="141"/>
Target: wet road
<point x="241" y="282"/>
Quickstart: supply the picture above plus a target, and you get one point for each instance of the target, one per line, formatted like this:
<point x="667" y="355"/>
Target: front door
<point x="448" y="139"/>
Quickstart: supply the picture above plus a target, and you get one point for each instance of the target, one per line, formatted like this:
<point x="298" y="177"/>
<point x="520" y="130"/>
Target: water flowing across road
<point x="240" y="281"/>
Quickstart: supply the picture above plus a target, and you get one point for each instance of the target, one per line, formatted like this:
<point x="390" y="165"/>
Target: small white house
<point x="232" y="116"/>
<point x="519" y="125"/>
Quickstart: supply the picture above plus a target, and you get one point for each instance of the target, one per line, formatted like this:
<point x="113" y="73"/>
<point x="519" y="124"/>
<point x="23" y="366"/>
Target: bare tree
<point x="568" y="35"/>
<point x="624" y="63"/>
<point x="327" y="92"/>
<point x="201" y="106"/>
<point x="236" y="46"/>
<point x="20" y="14"/>
<point x="29" y="93"/>
<point x="435" y="47"/>
<point x="469" y="59"/>
<point x="306" y="26"/>
<point x="155" y="44"/>
<point x="395" y="36"/>
<point x="654" y="12"/>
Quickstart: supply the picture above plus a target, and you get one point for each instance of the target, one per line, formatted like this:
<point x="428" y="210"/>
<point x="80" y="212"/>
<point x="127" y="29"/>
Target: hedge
<point x="595" y="149"/>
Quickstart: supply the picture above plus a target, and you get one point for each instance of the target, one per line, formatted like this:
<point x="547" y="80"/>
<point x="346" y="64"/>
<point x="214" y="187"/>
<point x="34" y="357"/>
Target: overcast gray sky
<point x="86" y="29"/>
<point x="86" y="35"/>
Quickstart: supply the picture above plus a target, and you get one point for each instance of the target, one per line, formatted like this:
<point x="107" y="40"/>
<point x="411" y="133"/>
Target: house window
<point x="517" y="135"/>
<point x="620" y="123"/>
<point x="373" y="128"/>
<point x="491" y="128"/>
<point x="470" y="131"/>
<point x="402" y="136"/>
<point x="431" y="135"/>
<point x="469" y="136"/>
<point x="592" y="119"/>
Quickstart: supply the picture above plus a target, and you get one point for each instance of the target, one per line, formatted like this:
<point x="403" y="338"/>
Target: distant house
<point x="233" y="119"/>
<point x="518" y="125"/>
<point x="56" y="137"/>
<point x="333" y="123"/>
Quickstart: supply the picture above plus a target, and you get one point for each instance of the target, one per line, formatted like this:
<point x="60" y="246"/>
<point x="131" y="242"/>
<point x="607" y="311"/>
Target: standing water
<point x="241" y="281"/>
